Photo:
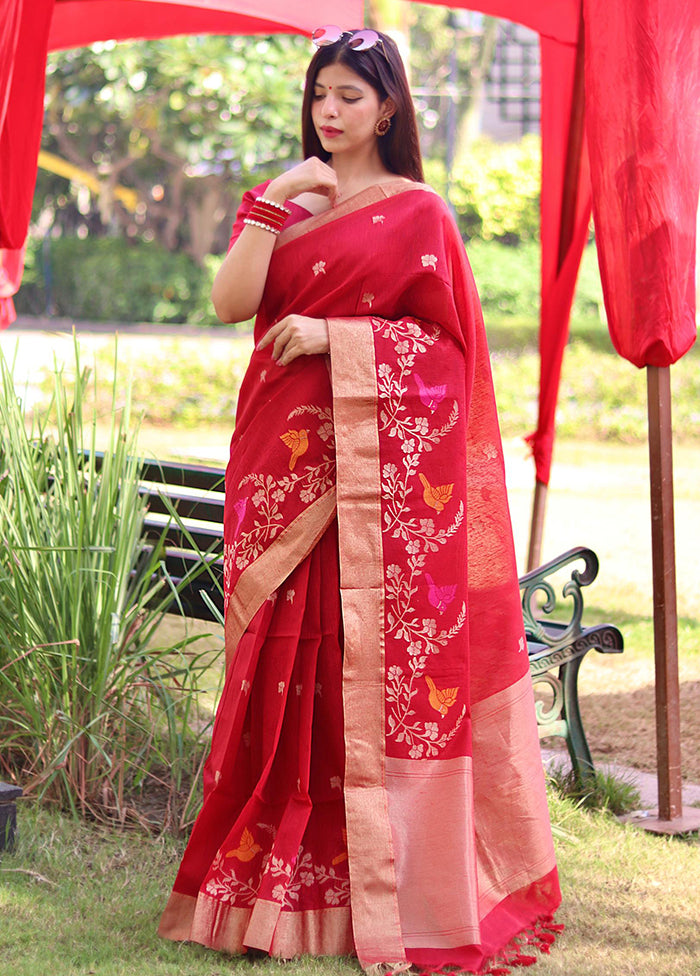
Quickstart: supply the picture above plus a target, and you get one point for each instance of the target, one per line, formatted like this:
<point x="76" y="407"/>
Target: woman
<point x="374" y="784"/>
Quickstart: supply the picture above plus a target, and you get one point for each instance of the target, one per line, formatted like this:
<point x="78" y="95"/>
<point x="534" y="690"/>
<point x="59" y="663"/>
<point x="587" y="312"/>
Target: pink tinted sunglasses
<point x="358" y="40"/>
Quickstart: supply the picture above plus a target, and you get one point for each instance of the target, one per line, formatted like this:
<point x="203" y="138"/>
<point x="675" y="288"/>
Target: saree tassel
<point x="551" y="927"/>
<point x="521" y="960"/>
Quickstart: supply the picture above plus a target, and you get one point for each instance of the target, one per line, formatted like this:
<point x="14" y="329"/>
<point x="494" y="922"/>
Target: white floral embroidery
<point x="304" y="873"/>
<point x="245" y="686"/>
<point x="280" y="688"/>
<point x="319" y="268"/>
<point x="299" y="689"/>
<point x="429" y="261"/>
<point x="290" y="592"/>
<point x="490" y="450"/>
<point x="319" y="689"/>
<point x="521" y="645"/>
<point x="336" y="783"/>
<point x="263" y="374"/>
<point x="378" y="219"/>
<point x="368" y="298"/>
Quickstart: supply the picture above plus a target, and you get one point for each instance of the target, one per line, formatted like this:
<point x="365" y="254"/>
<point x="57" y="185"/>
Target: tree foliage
<point x="187" y="121"/>
<point x="191" y="122"/>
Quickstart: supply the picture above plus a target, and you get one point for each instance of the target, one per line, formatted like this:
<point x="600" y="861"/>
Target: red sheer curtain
<point x="643" y="124"/>
<point x="23" y="38"/>
<point x="566" y="207"/>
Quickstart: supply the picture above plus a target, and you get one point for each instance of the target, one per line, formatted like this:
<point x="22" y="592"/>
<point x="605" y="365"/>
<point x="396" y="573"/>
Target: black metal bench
<point x="196" y="494"/>
<point x="555" y="648"/>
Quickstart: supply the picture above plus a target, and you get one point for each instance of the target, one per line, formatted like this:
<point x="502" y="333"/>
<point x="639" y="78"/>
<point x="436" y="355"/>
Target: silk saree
<point x="374" y="784"/>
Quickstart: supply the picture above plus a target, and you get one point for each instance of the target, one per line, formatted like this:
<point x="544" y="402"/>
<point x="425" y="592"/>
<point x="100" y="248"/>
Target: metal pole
<point x="668" y="728"/>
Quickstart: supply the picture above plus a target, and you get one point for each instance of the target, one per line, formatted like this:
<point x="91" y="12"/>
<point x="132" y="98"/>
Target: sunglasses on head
<point x="358" y="40"/>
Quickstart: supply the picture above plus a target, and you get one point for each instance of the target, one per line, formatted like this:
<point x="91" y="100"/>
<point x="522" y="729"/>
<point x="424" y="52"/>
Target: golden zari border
<point x="374" y="899"/>
<point x="273" y="566"/>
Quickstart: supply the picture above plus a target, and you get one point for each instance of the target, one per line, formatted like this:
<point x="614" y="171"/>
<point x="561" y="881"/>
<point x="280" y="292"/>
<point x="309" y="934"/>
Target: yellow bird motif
<point x="247" y="848"/>
<point x="443" y="699"/>
<point x="298" y="443"/>
<point x="436" y="496"/>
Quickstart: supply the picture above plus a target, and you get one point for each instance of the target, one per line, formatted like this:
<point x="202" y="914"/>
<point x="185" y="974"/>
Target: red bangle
<point x="267" y="216"/>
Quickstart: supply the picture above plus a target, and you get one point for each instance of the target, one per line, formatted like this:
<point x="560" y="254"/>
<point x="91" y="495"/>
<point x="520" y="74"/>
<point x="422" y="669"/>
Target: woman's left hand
<point x="296" y="335"/>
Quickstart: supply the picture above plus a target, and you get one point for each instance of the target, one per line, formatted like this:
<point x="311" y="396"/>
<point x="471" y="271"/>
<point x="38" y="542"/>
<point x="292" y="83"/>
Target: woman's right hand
<point x="311" y="176"/>
<point x="240" y="282"/>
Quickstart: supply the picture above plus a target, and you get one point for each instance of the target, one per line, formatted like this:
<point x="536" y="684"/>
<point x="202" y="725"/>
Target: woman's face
<point x="345" y="109"/>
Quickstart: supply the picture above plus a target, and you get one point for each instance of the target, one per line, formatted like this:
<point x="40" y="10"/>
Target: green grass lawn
<point x="76" y="899"/>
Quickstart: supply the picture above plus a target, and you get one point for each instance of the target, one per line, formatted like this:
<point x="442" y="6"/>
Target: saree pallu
<point x="374" y="784"/>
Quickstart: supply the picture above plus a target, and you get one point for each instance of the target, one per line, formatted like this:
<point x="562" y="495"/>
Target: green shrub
<point x="496" y="191"/>
<point x="115" y="280"/>
<point x="508" y="279"/>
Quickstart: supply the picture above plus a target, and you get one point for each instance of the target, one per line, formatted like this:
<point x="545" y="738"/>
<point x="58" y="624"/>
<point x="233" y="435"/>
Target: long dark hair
<point x="399" y="149"/>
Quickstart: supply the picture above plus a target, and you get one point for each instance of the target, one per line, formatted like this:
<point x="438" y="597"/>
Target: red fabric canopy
<point x="81" y="22"/>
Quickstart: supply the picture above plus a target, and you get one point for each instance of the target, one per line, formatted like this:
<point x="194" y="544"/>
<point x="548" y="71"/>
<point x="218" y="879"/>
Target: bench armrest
<point x="536" y="584"/>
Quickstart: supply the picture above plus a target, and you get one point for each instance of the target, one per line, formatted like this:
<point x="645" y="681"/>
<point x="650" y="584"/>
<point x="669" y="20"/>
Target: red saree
<point x="375" y="783"/>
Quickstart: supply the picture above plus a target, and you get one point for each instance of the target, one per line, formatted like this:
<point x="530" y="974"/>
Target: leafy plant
<point x="90" y="712"/>
<point x="603" y="790"/>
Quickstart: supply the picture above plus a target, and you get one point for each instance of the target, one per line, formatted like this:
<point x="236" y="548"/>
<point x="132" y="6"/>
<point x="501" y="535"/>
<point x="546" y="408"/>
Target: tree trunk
<point x="202" y="211"/>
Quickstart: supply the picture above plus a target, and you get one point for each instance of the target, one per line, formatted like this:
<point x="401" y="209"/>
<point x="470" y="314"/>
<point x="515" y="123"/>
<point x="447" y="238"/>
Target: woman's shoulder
<point x="421" y="197"/>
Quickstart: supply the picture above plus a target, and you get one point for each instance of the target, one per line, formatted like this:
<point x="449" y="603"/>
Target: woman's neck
<point x="355" y="175"/>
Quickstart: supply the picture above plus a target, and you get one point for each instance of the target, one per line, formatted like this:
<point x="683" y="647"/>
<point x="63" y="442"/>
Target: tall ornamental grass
<point x="92" y="716"/>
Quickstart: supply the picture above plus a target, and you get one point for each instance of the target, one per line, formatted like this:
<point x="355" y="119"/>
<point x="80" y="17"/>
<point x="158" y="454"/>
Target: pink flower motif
<point x="378" y="219"/>
<point x="368" y="298"/>
<point x="319" y="268"/>
<point x="429" y="261"/>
